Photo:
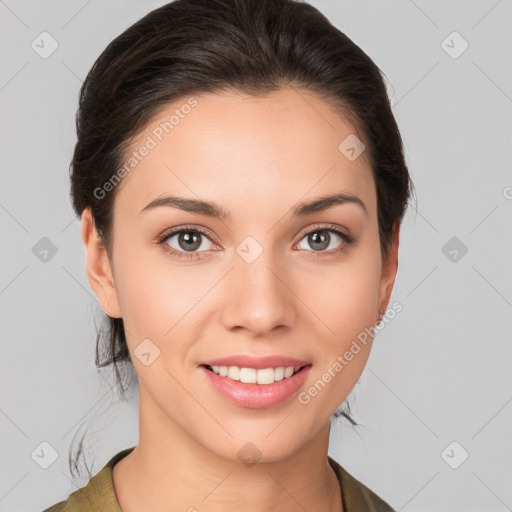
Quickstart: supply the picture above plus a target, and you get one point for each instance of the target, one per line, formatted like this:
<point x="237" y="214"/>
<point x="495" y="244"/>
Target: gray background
<point x="439" y="372"/>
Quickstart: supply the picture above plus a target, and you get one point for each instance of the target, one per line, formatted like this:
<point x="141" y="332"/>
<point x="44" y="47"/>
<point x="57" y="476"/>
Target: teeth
<point x="254" y="376"/>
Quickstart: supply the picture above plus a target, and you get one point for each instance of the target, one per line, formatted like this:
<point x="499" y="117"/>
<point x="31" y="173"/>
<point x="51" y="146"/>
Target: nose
<point x="258" y="297"/>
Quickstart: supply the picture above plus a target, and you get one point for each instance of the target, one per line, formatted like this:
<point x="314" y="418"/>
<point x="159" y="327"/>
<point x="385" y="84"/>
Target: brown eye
<point x="322" y="240"/>
<point x="186" y="243"/>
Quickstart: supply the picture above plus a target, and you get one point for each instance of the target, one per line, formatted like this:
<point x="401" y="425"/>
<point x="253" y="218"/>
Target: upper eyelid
<point x="324" y="227"/>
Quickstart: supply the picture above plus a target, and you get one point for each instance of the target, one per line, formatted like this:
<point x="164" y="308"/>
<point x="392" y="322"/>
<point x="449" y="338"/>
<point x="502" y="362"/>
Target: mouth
<point x="256" y="388"/>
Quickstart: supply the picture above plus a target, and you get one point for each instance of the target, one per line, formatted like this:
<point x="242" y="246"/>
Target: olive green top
<point x="99" y="494"/>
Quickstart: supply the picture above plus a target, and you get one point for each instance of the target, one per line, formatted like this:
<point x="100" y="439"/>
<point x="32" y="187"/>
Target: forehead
<point x="246" y="152"/>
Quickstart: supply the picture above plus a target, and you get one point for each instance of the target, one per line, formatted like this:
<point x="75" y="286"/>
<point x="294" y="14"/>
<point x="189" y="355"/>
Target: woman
<point x="241" y="183"/>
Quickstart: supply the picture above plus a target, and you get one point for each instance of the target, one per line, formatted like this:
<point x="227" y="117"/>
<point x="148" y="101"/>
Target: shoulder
<point x="58" y="507"/>
<point x="357" y="497"/>
<point x="98" y="494"/>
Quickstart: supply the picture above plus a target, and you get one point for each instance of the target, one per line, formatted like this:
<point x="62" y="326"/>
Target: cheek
<point x="158" y="299"/>
<point x="137" y="279"/>
<point x="345" y="297"/>
<point x="346" y="302"/>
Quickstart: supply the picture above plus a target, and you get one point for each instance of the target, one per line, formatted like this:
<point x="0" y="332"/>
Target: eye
<point x="321" y="238"/>
<point x="187" y="242"/>
<point x="191" y="242"/>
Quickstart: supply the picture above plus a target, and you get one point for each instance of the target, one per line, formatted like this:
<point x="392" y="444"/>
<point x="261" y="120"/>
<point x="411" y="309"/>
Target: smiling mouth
<point x="248" y="375"/>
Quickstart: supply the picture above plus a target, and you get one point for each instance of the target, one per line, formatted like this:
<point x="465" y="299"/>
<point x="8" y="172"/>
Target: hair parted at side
<point x="189" y="47"/>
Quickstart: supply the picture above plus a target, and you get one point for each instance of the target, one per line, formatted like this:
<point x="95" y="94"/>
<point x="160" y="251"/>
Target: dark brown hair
<point x="190" y="47"/>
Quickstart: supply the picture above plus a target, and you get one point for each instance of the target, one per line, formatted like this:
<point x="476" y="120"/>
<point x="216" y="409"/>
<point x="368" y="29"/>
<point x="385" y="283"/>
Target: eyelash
<point x="347" y="241"/>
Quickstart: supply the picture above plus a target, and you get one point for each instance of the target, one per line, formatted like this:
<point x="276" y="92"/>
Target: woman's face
<point x="268" y="279"/>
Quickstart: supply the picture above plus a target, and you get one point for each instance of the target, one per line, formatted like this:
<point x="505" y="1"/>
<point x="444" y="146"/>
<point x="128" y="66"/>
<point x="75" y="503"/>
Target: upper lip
<point x="247" y="361"/>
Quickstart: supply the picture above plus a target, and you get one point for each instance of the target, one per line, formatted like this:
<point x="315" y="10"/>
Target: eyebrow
<point x="213" y="210"/>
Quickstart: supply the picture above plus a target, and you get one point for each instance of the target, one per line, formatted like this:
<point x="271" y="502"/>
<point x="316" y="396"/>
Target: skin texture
<point x="256" y="157"/>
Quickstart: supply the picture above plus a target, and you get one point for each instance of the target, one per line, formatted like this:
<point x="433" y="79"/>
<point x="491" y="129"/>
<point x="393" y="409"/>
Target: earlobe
<point x="389" y="269"/>
<point x="98" y="268"/>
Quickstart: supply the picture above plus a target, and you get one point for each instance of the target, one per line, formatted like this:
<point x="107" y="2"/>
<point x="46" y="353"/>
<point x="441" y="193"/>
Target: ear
<point x="389" y="269"/>
<point x="98" y="267"/>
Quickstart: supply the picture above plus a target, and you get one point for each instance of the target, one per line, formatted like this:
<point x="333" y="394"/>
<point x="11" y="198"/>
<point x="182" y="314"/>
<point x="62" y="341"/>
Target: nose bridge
<point x="258" y="297"/>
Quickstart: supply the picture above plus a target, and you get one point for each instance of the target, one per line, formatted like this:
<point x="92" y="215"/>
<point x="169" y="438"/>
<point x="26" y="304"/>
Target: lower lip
<point x="257" y="396"/>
